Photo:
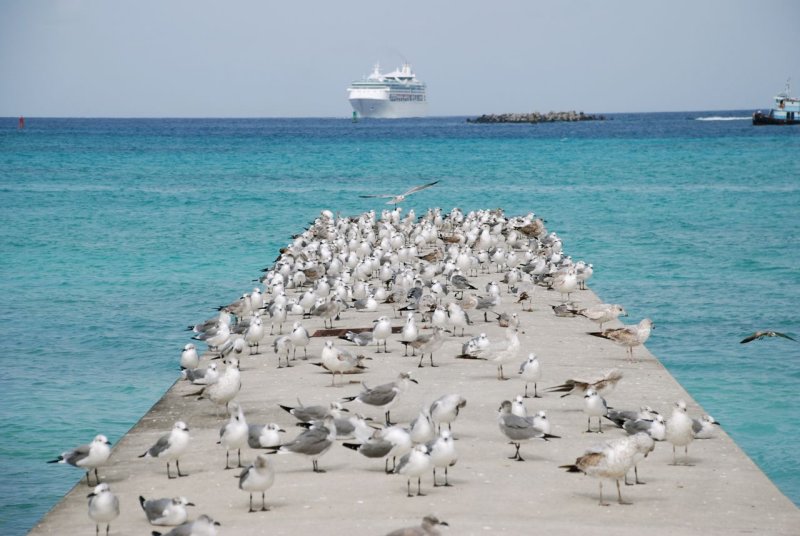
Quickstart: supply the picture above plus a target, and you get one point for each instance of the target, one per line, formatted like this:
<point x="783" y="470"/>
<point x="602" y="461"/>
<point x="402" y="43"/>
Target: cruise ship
<point x="389" y="96"/>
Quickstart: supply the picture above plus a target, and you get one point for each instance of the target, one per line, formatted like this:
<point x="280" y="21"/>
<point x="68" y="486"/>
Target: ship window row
<point x="406" y="98"/>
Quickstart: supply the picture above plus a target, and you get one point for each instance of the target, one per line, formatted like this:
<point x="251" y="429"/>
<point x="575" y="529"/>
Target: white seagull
<point x="395" y="199"/>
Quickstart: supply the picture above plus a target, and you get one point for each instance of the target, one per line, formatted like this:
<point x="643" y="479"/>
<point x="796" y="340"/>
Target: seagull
<point x="88" y="457"/>
<point x="260" y="436"/>
<point x="442" y="452"/>
<point x="234" y="434"/>
<point x="628" y="336"/>
<point x="445" y="409"/>
<point x="655" y="427"/>
<point x="103" y="507"/>
<point x="594" y="405"/>
<point x="189" y="358"/>
<point x="612" y="460"/>
<point x="421" y="429"/>
<point x="415" y="464"/>
<point x="679" y="430"/>
<point x="170" y="446"/>
<point x="395" y="199"/>
<point x="313" y="442"/>
<point x="502" y="353"/>
<point x="531" y="371"/>
<point x="201" y="376"/>
<point x="410" y="331"/>
<point x="226" y="387"/>
<point x="381" y="332"/>
<point x="602" y="385"/>
<point x="384" y="396"/>
<point x="258" y="476"/>
<point x="427" y="344"/>
<point x="312" y="413"/>
<point x="202" y="526"/>
<point x="299" y="337"/>
<point x="758" y="335"/>
<point x="167" y="512"/>
<point x="602" y="313"/>
<point x="518" y="429"/>
<point x="339" y="360"/>
<point x="392" y="441"/>
<point x="427" y="528"/>
<point x="703" y="428"/>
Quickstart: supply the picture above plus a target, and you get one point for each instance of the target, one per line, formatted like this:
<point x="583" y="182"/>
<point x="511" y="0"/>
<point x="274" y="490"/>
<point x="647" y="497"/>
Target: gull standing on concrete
<point x="313" y="442"/>
<point x="312" y="413"/>
<point x="518" y="429"/>
<point x="445" y="409"/>
<point x="679" y="431"/>
<point x="339" y="361"/>
<point x="427" y="344"/>
<point x="300" y="338"/>
<point x="399" y="198"/>
<point x="202" y="526"/>
<point x="566" y="283"/>
<point x="282" y="345"/>
<point x="427" y="528"/>
<point x="442" y="452"/>
<point x="628" y="336"/>
<point x="594" y="405"/>
<point x="170" y="447"/>
<point x="602" y="313"/>
<point x="410" y="332"/>
<point x="612" y="460"/>
<point x="234" y="434"/>
<point x="415" y="464"/>
<point x="103" y="507"/>
<point x="166" y="512"/>
<point x="384" y="396"/>
<point x="258" y="476"/>
<point x="226" y="387"/>
<point x="88" y="457"/>
<point x="531" y="371"/>
<point x="254" y="334"/>
<point x="189" y="358"/>
<point x="504" y="353"/>
<point x="381" y="332"/>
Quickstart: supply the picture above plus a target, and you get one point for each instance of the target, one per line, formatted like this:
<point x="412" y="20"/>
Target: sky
<point x="262" y="58"/>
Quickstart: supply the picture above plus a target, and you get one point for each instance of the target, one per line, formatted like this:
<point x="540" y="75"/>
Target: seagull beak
<point x="413" y="380"/>
<point x="92" y="494"/>
<point x="108" y="442"/>
<point x="345" y="410"/>
<point x="190" y="504"/>
<point x="217" y="523"/>
<point x="281" y="430"/>
<point x="445" y="523"/>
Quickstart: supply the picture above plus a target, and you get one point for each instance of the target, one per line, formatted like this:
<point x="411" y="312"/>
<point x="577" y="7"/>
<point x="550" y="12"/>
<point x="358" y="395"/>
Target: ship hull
<point x="386" y="109"/>
<point x="768" y="119"/>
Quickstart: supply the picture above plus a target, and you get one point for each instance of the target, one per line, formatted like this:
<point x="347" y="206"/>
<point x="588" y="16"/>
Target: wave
<point x="722" y="118"/>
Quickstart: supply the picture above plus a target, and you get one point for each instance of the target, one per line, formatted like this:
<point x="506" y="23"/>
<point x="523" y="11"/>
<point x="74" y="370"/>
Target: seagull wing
<point x="754" y="336"/>
<point x="418" y="188"/>
<point x="785" y="336"/>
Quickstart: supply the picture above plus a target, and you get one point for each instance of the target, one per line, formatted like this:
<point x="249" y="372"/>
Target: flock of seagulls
<point x="427" y="270"/>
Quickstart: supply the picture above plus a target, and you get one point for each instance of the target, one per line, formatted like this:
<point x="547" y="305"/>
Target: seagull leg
<point x="263" y="504"/>
<point x="178" y="465"/>
<point x="421" y="357"/>
<point x="240" y="457"/>
<point x="446" y="483"/>
<point x="251" y="504"/>
<point x="636" y="474"/>
<point x="419" y="487"/>
<point x="227" y="453"/>
<point x="601" y="495"/>
<point x="168" y="473"/>
<point x="619" y="495"/>
<point x="536" y="391"/>
<point x="588" y="424"/>
<point x="408" y="488"/>
<point x="526" y="391"/>
<point x="432" y="365"/>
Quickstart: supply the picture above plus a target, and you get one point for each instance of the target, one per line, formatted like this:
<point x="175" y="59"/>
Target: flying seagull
<point x="763" y="334"/>
<point x="395" y="199"/>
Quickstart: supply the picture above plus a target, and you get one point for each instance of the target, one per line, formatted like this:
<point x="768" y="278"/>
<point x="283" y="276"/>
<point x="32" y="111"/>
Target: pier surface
<point x="722" y="492"/>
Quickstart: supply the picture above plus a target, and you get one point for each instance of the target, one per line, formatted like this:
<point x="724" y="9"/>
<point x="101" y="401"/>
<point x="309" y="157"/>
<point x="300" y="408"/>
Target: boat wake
<point x="723" y="118"/>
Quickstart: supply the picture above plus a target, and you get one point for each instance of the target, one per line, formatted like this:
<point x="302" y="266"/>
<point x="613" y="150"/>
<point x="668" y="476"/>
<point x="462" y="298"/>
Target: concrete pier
<point x="722" y="492"/>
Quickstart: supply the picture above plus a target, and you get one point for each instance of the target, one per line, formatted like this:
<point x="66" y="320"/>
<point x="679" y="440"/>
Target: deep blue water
<point x="117" y="233"/>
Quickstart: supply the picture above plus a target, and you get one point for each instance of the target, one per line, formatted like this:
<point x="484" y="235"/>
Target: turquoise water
<point x="116" y="234"/>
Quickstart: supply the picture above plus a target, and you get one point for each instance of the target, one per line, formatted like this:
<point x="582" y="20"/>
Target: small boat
<point x="786" y="111"/>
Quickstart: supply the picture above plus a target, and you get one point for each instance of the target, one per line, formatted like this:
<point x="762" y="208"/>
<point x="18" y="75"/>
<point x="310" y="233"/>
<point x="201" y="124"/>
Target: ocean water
<point x="115" y="234"/>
